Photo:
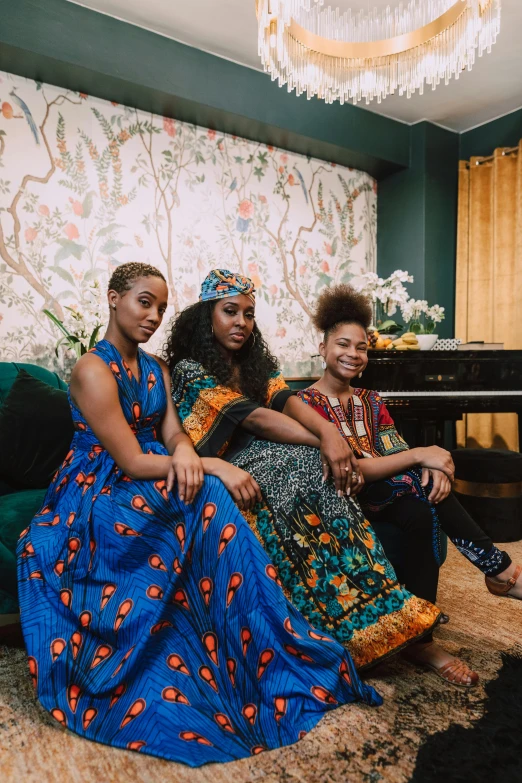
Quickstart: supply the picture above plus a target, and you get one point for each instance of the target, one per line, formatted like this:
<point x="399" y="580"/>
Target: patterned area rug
<point x="489" y="749"/>
<point x="353" y="743"/>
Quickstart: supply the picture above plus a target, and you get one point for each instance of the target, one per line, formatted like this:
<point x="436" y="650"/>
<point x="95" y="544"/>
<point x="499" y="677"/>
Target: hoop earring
<point x="323" y="364"/>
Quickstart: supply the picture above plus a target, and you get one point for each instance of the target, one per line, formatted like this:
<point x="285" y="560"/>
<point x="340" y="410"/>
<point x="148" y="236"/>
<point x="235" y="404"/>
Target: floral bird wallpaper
<point x="86" y="184"/>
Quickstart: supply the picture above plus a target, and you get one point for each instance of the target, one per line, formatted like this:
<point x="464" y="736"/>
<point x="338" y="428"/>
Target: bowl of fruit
<point x="377" y="341"/>
<point x="427" y="341"/>
<point x="407" y="342"/>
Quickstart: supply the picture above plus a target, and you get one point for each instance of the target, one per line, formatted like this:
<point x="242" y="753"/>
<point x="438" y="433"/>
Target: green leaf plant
<point x="72" y="341"/>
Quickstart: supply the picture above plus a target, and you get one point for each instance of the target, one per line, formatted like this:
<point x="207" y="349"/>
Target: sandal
<point x="456" y="667"/>
<point x="504" y="588"/>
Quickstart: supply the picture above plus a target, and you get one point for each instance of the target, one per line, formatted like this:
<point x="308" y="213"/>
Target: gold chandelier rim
<point x="388" y="47"/>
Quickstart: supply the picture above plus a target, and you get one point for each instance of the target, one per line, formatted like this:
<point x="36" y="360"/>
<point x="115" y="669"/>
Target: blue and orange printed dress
<point x="160" y="627"/>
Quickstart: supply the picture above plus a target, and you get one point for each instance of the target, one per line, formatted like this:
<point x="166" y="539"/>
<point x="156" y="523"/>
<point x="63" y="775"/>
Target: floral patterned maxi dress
<point x="160" y="627"/>
<point x="330" y="563"/>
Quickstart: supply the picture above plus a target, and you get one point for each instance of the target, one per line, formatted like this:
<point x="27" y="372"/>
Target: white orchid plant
<point x="420" y="317"/>
<point x="82" y="323"/>
<point x="389" y="295"/>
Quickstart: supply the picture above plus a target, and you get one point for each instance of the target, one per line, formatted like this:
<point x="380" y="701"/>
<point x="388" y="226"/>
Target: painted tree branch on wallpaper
<point x="10" y="247"/>
<point x="86" y="184"/>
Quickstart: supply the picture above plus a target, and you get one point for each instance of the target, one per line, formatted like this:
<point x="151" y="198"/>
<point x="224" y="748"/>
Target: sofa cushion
<point x="5" y="488"/>
<point x="16" y="512"/>
<point x="36" y="430"/>
<point x="9" y="372"/>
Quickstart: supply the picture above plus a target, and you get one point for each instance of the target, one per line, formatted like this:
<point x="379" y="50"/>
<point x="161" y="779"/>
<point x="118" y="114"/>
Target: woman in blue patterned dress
<point x="153" y="619"/>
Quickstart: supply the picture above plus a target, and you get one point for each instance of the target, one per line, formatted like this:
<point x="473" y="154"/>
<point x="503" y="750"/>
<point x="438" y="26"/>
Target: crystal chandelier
<point x="318" y="50"/>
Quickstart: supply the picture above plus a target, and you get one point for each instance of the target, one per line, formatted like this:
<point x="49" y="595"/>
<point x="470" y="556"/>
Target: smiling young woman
<point x="139" y="580"/>
<point x="289" y="471"/>
<point x="410" y="488"/>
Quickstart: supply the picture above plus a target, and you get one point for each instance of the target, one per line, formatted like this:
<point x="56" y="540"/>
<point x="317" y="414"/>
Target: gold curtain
<point x="489" y="274"/>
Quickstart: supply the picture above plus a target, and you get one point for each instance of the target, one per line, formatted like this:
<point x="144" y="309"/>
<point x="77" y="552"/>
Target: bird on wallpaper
<point x="301" y="180"/>
<point x="232" y="186"/>
<point x="27" y="114"/>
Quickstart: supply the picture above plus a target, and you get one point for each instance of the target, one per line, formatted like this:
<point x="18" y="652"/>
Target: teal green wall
<point x="401" y="233"/>
<point x="441" y="190"/>
<point x="417" y="218"/>
<point x="503" y="132"/>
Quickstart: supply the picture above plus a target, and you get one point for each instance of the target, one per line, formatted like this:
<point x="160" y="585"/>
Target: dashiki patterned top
<point x="212" y="412"/>
<point x="370" y="431"/>
<point x="365" y="423"/>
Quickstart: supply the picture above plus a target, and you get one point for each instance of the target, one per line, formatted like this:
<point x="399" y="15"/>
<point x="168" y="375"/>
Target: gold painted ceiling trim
<point x="361" y="50"/>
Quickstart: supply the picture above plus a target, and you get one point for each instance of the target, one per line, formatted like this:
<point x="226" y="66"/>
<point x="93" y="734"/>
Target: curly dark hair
<point x="191" y="337"/>
<point x="341" y="304"/>
<point x="124" y="275"/>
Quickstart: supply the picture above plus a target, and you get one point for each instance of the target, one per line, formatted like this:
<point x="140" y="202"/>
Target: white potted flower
<point x="81" y="325"/>
<point x="421" y="320"/>
<point x="387" y="296"/>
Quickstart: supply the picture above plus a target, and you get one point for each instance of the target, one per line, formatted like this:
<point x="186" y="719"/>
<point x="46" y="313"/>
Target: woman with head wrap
<point x="231" y="399"/>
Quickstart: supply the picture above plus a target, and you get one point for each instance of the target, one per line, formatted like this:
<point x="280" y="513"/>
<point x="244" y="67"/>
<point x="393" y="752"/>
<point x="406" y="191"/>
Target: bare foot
<point x="501" y="581"/>
<point x="449" y="668"/>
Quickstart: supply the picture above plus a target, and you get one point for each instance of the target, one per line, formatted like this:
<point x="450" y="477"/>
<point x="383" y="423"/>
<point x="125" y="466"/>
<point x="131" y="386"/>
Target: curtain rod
<point x="489" y="158"/>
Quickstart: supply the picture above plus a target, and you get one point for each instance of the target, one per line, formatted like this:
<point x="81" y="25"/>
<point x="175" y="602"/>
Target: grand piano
<point x="428" y="391"/>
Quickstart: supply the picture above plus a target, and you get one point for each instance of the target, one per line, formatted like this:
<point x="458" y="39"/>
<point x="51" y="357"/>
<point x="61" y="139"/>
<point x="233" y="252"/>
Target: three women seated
<point x="160" y="618"/>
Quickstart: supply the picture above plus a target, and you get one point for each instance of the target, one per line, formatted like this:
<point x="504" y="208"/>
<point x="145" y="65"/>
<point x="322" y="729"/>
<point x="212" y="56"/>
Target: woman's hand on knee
<point x="337" y="457"/>
<point x="242" y="486"/>
<point x="435" y="458"/>
<point x="185" y="469"/>
<point x="441" y="487"/>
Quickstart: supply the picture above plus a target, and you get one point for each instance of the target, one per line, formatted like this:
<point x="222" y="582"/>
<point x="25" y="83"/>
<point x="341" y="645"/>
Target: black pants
<point x="414" y="516"/>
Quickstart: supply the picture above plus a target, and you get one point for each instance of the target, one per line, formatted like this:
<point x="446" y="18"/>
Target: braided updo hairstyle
<point x="341" y="304"/>
<point x="124" y="276"/>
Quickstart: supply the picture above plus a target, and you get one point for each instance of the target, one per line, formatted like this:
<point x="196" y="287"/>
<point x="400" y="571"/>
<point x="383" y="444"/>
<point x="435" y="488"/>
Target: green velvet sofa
<point x="17" y="508"/>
